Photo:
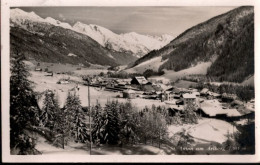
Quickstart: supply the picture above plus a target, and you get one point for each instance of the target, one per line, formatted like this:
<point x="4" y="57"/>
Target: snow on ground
<point x="198" y="69"/>
<point x="206" y="130"/>
<point x="83" y="149"/>
<point x="71" y="149"/>
<point x="249" y="81"/>
<point x="88" y="71"/>
<point x="72" y="55"/>
<point x="43" y="83"/>
<point x="184" y="84"/>
<point x="153" y="64"/>
<point x="214" y="107"/>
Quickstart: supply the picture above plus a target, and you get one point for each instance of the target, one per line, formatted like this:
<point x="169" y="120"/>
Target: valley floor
<point x="205" y="133"/>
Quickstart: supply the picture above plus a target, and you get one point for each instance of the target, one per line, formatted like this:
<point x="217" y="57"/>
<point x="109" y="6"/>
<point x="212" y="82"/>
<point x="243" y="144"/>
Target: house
<point x="196" y="94"/>
<point x="130" y="94"/>
<point x="189" y="98"/>
<point x="237" y="103"/>
<point x="63" y="82"/>
<point x="168" y="95"/>
<point x="213" y="95"/>
<point x="174" y="90"/>
<point x="204" y="92"/>
<point x="139" y="80"/>
<point x="228" y="97"/>
<point x="49" y="73"/>
<point x="38" y="69"/>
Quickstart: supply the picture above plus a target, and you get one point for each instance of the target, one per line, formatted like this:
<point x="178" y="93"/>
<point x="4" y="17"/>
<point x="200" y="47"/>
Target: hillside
<point x="132" y="44"/>
<point x="43" y="41"/>
<point x="225" y="41"/>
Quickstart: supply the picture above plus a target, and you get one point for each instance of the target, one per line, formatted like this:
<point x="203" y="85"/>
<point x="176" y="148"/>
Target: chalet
<point x="197" y="94"/>
<point x="168" y="95"/>
<point x="204" y="92"/>
<point x="228" y="97"/>
<point x="130" y="94"/>
<point x="189" y="98"/>
<point x="213" y="95"/>
<point x="141" y="80"/>
<point x="174" y="90"/>
<point x="237" y="103"/>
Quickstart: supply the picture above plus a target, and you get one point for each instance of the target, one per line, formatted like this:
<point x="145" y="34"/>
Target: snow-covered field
<point x="43" y="83"/>
<point x="249" y="81"/>
<point x="198" y="69"/>
<point x="214" y="107"/>
<point x="208" y="130"/>
<point x="153" y="64"/>
<point x="83" y="149"/>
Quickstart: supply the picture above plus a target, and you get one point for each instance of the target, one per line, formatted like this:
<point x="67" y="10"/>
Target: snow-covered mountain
<point x="50" y="40"/>
<point x="21" y="18"/>
<point x="132" y="42"/>
<point x="221" y="48"/>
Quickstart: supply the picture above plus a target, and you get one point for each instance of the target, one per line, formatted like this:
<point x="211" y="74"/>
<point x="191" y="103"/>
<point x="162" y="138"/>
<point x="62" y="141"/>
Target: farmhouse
<point x="189" y="98"/>
<point x="228" y="97"/>
<point x="204" y="92"/>
<point x="168" y="95"/>
<point x="141" y="80"/>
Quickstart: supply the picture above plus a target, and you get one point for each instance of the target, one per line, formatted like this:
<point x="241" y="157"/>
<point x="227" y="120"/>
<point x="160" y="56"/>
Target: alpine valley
<point x="50" y="40"/>
<point x="221" y="48"/>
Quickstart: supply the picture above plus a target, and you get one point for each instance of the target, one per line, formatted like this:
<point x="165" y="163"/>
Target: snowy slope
<point x="129" y="42"/>
<point x="133" y="43"/>
<point x="21" y="18"/>
<point x="152" y="64"/>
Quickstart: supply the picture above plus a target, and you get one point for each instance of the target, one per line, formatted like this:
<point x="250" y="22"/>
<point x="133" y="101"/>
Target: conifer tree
<point x="190" y="115"/>
<point x="50" y="107"/>
<point x="23" y="106"/>
<point x="98" y="127"/>
<point x="127" y="125"/>
<point x="111" y="123"/>
<point x="75" y="117"/>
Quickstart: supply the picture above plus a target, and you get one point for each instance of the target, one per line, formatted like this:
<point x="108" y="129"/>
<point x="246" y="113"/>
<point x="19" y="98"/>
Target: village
<point x="147" y="92"/>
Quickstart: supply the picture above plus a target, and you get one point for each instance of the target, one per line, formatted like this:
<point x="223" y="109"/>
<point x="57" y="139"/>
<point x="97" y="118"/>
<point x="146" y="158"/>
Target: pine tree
<point x="185" y="141"/>
<point x="190" y="115"/>
<point x="127" y="126"/>
<point x="23" y="106"/>
<point x="50" y="107"/>
<point x="160" y="127"/>
<point x="98" y="127"/>
<point x="111" y="123"/>
<point x="75" y="118"/>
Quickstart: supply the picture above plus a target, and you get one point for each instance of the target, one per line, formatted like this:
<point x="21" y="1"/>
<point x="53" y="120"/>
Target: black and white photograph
<point x="131" y="80"/>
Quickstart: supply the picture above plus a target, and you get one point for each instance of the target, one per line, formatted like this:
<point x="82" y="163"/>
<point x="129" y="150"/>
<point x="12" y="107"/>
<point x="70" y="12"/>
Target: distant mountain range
<point x="221" y="48"/>
<point x="51" y="40"/>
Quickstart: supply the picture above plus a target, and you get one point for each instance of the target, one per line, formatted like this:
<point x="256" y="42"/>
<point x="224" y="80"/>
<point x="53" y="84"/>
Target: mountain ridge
<point x="132" y="42"/>
<point x="220" y="36"/>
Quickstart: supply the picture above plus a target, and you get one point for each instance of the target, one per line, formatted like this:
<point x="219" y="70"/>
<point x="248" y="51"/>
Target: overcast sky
<point x="143" y="20"/>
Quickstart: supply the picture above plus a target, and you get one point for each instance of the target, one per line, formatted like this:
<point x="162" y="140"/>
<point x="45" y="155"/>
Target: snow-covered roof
<point x="214" y="107"/>
<point x="196" y="93"/>
<point x="189" y="96"/>
<point x="214" y="94"/>
<point x="141" y="80"/>
<point x="204" y="90"/>
<point x="129" y="91"/>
